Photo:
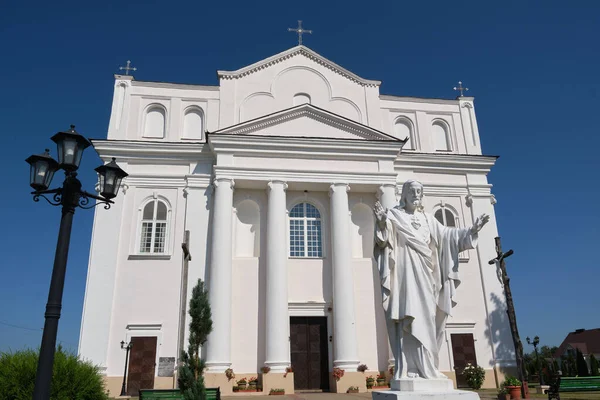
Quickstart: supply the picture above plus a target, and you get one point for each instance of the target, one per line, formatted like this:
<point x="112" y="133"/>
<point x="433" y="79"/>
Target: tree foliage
<point x="594" y="365"/>
<point x="191" y="380"/>
<point x="72" y="378"/>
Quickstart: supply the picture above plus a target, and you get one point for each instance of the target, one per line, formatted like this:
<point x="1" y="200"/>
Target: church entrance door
<point x="142" y="363"/>
<point x="308" y="345"/>
<point x="463" y="350"/>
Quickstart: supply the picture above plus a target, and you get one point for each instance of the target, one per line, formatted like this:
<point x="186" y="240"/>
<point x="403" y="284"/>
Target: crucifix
<point x="460" y="88"/>
<point x="128" y="68"/>
<point x="512" y="317"/>
<point x="300" y="31"/>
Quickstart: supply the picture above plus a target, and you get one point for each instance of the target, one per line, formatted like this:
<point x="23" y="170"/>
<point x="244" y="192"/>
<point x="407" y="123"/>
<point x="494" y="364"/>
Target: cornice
<point x="312" y="112"/>
<point x="268" y="174"/>
<point x="128" y="150"/>
<point x="169" y="85"/>
<point x="444" y="162"/>
<point x="419" y="99"/>
<point x="295" y="51"/>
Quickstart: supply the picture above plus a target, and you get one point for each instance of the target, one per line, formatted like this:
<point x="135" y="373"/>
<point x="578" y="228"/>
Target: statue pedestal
<point x="430" y="389"/>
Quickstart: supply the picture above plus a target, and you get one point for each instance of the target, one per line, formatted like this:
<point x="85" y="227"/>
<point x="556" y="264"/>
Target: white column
<point x="218" y="346"/>
<point x="386" y="194"/>
<point x="344" y="323"/>
<point x="277" y="314"/>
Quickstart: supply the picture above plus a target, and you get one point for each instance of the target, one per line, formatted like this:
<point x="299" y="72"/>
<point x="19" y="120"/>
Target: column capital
<point x="224" y="181"/>
<point x="338" y="184"/>
<point x="383" y="186"/>
<point x="271" y="184"/>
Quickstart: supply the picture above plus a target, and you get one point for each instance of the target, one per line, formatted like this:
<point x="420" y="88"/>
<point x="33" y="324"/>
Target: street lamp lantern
<point x="42" y="169"/>
<point x="111" y="176"/>
<point x="70" y="146"/>
<point x="69" y="196"/>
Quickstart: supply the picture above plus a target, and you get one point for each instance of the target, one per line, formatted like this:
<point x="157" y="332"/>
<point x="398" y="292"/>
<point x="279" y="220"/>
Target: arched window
<point x="305" y="231"/>
<point x="445" y="217"/>
<point x="301" y="98"/>
<point x="441" y="136"/>
<point x="193" y="120"/>
<point x="154" y="227"/>
<point x="403" y="129"/>
<point x="154" y="123"/>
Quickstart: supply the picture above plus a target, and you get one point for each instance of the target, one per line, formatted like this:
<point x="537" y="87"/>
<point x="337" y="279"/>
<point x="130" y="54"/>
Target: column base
<point x="277" y="380"/>
<point x="220" y="380"/>
<point x="350" y="378"/>
<point x="277" y="366"/>
<point x="449" y="395"/>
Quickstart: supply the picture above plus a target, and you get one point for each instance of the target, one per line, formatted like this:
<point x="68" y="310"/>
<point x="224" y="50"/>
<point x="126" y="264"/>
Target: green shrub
<point x="511" y="381"/>
<point x="72" y="378"/>
<point x="594" y="365"/>
<point x="474" y="375"/>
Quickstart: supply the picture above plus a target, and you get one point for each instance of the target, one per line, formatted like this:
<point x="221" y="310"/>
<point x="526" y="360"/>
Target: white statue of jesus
<point x="417" y="259"/>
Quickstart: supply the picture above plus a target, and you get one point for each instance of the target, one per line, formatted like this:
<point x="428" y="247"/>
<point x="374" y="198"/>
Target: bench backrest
<point x="580" y="383"/>
<point x="155" y="394"/>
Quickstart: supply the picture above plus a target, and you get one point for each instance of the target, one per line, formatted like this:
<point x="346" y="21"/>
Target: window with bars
<point x="305" y="231"/>
<point x="445" y="217"/>
<point x="154" y="228"/>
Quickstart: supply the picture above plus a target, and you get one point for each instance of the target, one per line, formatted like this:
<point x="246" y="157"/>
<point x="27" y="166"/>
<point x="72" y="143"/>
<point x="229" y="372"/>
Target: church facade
<point x="264" y="188"/>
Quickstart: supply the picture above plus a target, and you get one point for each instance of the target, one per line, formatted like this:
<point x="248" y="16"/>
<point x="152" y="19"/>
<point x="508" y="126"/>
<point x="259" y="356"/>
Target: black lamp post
<point x="534" y="343"/>
<point x="70" y="196"/>
<point x="127" y="348"/>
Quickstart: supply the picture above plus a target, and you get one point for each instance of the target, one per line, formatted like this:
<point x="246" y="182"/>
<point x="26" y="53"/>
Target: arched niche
<point x="362" y="231"/>
<point x="247" y="229"/>
<point x="441" y="135"/>
<point x="154" y="122"/>
<point x="403" y="128"/>
<point x="193" y="123"/>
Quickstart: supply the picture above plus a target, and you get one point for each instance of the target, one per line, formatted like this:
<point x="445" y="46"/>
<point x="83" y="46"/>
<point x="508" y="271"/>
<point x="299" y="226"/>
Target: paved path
<point x="330" y="396"/>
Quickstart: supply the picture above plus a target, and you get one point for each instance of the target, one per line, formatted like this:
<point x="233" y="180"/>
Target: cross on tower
<point x="128" y="68"/>
<point x="460" y="88"/>
<point x="300" y="31"/>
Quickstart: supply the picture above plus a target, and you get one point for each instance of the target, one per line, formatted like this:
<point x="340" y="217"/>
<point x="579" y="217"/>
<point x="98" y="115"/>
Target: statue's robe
<point x="418" y="269"/>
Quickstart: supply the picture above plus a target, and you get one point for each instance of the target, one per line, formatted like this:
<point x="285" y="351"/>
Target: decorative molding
<point x="143" y="327"/>
<point x="469" y="199"/>
<point x="149" y="257"/>
<point x="312" y="112"/>
<point x="272" y="183"/>
<point x="466" y="105"/>
<point x="493" y="199"/>
<point x="309" y="309"/>
<point x="217" y="182"/>
<point x="338" y="184"/>
<point x="416" y="100"/>
<point x="460" y="325"/>
<point x="293" y="52"/>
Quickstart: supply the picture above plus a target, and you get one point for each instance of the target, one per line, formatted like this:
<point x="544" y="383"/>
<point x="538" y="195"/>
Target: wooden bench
<point x="159" y="394"/>
<point x="577" y="384"/>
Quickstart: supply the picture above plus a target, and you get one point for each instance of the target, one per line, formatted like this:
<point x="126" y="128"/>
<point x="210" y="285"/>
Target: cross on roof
<point x="128" y="68"/>
<point x="300" y="31"/>
<point x="460" y="88"/>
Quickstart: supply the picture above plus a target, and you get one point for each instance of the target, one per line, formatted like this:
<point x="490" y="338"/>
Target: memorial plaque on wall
<point x="166" y="366"/>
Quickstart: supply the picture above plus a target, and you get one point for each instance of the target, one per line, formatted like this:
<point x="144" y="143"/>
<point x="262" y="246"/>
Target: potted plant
<point x="513" y="385"/>
<point x="277" y="392"/>
<point x="503" y="394"/>
<point x="352" y="389"/>
<point x="252" y="383"/>
<point x="242" y="383"/>
<point x="288" y="370"/>
<point x="265" y="369"/>
<point x="370" y="381"/>
<point x="362" y="368"/>
<point x="338" y="373"/>
<point x="380" y="380"/>
<point x="236" y="388"/>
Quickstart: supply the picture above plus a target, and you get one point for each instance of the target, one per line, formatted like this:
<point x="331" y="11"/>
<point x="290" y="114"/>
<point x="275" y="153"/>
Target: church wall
<point x="273" y="89"/>
<point x="147" y="288"/>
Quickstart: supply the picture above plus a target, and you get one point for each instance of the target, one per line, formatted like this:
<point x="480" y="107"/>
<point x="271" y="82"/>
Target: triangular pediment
<point x="298" y="51"/>
<point x="306" y="121"/>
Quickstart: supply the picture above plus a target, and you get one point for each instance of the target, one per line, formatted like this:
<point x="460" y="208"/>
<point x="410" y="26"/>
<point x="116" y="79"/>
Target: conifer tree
<point x="594" y="365"/>
<point x="582" y="367"/>
<point x="191" y="380"/>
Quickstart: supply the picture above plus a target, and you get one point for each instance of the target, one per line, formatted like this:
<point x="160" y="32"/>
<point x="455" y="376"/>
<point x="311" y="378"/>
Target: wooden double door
<point x="142" y="364"/>
<point x="463" y="351"/>
<point x="309" y="353"/>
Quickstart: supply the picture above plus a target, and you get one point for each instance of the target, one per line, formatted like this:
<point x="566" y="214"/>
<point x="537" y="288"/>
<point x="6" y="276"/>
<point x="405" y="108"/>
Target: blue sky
<point x="532" y="67"/>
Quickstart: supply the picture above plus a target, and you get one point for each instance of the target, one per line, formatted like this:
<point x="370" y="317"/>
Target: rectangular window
<point x="146" y="242"/>
<point x="297" y="238"/>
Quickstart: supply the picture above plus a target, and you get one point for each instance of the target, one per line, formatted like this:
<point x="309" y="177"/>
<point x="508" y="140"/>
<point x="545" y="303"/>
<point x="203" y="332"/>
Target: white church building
<point x="263" y="187"/>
